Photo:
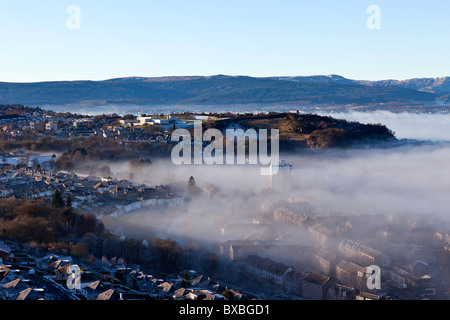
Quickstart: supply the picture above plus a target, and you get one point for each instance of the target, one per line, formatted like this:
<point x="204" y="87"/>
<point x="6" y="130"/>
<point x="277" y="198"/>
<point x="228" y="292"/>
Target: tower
<point x="282" y="174"/>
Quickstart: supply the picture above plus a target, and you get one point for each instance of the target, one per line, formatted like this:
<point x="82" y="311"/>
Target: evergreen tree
<point x="69" y="201"/>
<point x="185" y="281"/>
<point x="192" y="188"/>
<point x="57" y="200"/>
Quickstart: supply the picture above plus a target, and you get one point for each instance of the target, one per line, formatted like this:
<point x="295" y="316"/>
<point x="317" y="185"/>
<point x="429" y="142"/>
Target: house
<point x="351" y="274"/>
<point x="143" y="282"/>
<point x="442" y="235"/>
<point x="236" y="295"/>
<point x="287" y="216"/>
<point x="196" y="280"/>
<point x="131" y="278"/>
<point x="128" y="123"/>
<point x="293" y="282"/>
<point x="164" y="289"/>
<point x="54" y="261"/>
<point x="423" y="285"/>
<point x="102" y="187"/>
<point x="5" y="252"/>
<point x="323" y="235"/>
<point x="209" y="295"/>
<point x="93" y="290"/>
<point x="143" y="121"/>
<point x="4" y="192"/>
<point x="161" y="121"/>
<point x="109" y="294"/>
<point x="51" y="126"/>
<point x="81" y="123"/>
<point x="315" y="286"/>
<point x="195" y="295"/>
<point x="366" y="296"/>
<point x="112" y="268"/>
<point x="419" y="268"/>
<point x="402" y="278"/>
<point x="218" y="288"/>
<point x="11" y="289"/>
<point x="4" y="270"/>
<point x="86" y="279"/>
<point x="205" y="283"/>
<point x="325" y="261"/>
<point x="341" y="292"/>
<point x="29" y="294"/>
<point x="241" y="249"/>
<point x="267" y="269"/>
<point x="178" y="294"/>
<point x="361" y="254"/>
<point x="62" y="273"/>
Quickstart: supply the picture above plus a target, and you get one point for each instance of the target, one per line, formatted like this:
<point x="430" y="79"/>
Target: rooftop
<point x="316" y="278"/>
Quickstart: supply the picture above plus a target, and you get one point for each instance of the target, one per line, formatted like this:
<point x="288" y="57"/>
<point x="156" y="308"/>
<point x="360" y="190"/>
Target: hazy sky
<point x="206" y="37"/>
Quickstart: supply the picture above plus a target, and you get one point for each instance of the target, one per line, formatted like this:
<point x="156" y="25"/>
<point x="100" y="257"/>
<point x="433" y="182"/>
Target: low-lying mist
<point x="409" y="180"/>
<point x="406" y="125"/>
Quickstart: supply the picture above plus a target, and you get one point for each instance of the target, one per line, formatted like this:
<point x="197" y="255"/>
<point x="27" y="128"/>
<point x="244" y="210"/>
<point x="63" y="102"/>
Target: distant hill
<point x="434" y="85"/>
<point x="226" y="90"/>
<point x="308" y="130"/>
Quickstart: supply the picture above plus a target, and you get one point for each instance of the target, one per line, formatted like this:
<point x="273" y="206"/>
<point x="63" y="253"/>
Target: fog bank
<point x="420" y="126"/>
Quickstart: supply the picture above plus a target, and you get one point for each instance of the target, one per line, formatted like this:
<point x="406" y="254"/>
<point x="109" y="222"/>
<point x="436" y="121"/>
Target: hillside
<point x="221" y="90"/>
<point x="308" y="130"/>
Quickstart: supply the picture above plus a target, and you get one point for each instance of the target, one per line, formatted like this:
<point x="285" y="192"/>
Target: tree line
<point x="58" y="228"/>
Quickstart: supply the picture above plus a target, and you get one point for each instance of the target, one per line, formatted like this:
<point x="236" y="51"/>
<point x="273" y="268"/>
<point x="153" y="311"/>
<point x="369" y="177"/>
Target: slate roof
<point x="316" y="278"/>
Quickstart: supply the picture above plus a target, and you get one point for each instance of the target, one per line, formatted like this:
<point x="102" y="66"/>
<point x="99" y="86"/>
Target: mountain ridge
<point x="226" y="89"/>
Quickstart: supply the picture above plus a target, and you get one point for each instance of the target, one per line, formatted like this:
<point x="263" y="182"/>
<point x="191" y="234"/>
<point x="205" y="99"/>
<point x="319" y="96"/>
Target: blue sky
<point x="207" y="37"/>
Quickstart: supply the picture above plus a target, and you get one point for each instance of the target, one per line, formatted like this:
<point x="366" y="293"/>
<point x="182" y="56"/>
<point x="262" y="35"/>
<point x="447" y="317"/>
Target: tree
<point x="185" y="281"/>
<point x="52" y="163"/>
<point x="69" y="201"/>
<point x="211" y="263"/>
<point x="129" y="117"/>
<point x="79" y="154"/>
<point x="105" y="171"/>
<point x="57" y="200"/>
<point x="64" y="163"/>
<point x="228" y="295"/>
<point x="192" y="188"/>
<point x="80" y="250"/>
<point x="167" y="252"/>
<point x="141" y="162"/>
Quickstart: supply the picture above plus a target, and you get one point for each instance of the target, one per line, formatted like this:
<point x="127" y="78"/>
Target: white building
<point x="161" y="121"/>
<point x="145" y="120"/>
<point x="82" y="122"/>
<point x="129" y="123"/>
<point x="51" y="126"/>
